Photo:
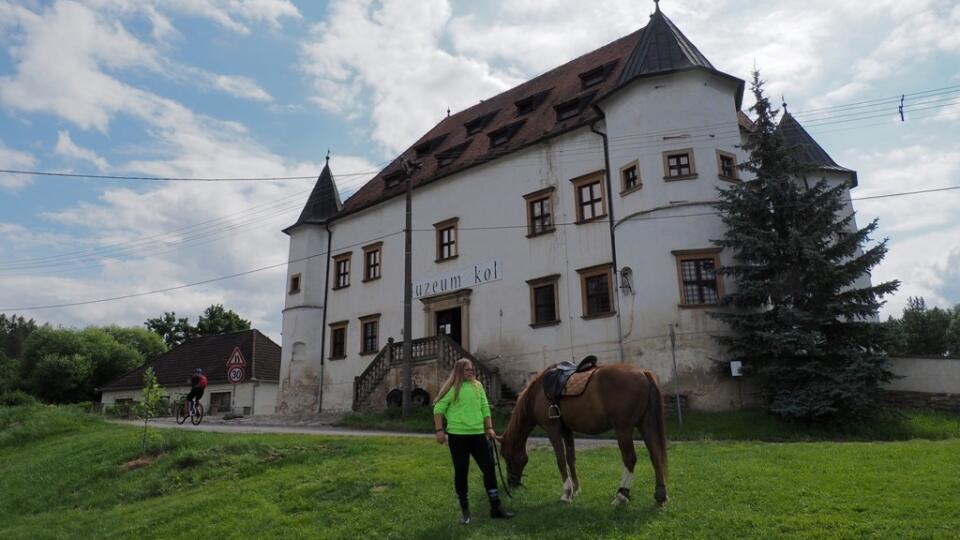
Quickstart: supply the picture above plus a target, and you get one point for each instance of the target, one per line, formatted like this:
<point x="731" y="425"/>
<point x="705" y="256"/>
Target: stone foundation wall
<point x="923" y="400"/>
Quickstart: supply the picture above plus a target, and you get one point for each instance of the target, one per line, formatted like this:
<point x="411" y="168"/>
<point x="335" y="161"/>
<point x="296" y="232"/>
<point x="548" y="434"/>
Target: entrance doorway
<point x="450" y="322"/>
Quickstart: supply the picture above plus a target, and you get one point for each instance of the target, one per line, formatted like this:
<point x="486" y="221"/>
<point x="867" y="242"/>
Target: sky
<point x="265" y="88"/>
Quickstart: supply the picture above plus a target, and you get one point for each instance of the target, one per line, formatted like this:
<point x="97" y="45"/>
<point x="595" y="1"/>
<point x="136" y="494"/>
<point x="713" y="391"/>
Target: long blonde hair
<point x="455" y="380"/>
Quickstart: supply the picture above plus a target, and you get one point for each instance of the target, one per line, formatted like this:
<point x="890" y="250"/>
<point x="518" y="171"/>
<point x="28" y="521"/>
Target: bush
<point x="17" y="398"/>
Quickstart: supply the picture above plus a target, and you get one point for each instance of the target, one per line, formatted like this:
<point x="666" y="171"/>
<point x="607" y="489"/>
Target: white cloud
<point x="66" y="147"/>
<point x="393" y="52"/>
<point x="242" y="87"/>
<point x="14" y="160"/>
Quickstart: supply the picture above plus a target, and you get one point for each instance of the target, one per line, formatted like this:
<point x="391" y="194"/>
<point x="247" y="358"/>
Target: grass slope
<point x="63" y="475"/>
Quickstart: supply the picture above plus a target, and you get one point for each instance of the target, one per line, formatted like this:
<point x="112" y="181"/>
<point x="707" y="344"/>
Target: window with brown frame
<point x="294" y="284"/>
<point x="338" y="340"/>
<point x="544" y="309"/>
<point x="341" y="267"/>
<point x="679" y="165"/>
<point x="590" y="197"/>
<point x="371" y="261"/>
<point x="446" y="239"/>
<point x="539" y="211"/>
<point x="700" y="284"/>
<point x="596" y="288"/>
<point x="727" y="165"/>
<point x="369" y="334"/>
<point x="629" y="177"/>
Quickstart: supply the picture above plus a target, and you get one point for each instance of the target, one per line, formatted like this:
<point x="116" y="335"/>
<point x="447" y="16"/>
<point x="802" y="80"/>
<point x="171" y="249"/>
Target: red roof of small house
<point x="174" y="367"/>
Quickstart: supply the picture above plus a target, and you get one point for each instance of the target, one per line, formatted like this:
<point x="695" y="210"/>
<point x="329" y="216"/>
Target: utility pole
<point x="409" y="168"/>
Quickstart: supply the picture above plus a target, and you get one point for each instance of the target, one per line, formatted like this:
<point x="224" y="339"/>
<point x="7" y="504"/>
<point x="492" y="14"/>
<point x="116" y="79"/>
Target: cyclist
<point x="198" y="383"/>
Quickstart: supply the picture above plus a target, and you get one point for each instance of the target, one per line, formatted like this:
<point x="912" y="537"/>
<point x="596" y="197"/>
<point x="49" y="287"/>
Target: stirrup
<point x="553" y="412"/>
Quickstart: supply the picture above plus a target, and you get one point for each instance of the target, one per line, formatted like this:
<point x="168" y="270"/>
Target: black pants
<point x="461" y="448"/>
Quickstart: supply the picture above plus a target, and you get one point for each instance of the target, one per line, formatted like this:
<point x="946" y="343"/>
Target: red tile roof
<point x="174" y="367"/>
<point x="657" y="48"/>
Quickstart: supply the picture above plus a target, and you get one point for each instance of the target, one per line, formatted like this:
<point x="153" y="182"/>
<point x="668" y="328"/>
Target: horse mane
<point x="521" y="410"/>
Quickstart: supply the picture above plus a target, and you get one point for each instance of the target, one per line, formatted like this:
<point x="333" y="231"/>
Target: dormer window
<point x="477" y="124"/>
<point x="450" y="155"/>
<point x="504" y="134"/>
<point x="574" y="107"/>
<point x="428" y="147"/>
<point x="529" y="104"/>
<point x="394" y="179"/>
<point x="597" y="75"/>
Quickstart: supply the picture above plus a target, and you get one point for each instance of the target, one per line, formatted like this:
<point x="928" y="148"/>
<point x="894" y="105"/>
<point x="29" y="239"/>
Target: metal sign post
<point x="676" y="373"/>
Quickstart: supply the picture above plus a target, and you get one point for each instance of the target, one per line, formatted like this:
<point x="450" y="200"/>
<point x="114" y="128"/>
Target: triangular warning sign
<point x="236" y="358"/>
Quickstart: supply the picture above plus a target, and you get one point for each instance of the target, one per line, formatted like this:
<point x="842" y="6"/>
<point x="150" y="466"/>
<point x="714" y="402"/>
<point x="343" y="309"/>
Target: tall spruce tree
<point x="800" y="324"/>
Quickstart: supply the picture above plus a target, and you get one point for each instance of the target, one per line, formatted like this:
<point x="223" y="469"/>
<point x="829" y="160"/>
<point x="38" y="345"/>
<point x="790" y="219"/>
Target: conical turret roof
<point x="805" y="149"/>
<point x="324" y="201"/>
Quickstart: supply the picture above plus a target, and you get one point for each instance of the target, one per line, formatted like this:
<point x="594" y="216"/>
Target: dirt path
<point x="327" y="430"/>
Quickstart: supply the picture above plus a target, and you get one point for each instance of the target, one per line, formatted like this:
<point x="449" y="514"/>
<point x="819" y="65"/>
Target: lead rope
<point x="496" y="459"/>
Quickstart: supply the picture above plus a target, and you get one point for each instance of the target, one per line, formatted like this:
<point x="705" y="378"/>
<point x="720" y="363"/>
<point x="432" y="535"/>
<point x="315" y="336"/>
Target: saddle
<point x="555" y="381"/>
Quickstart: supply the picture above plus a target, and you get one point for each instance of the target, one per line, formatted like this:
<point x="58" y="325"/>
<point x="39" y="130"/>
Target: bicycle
<point x="195" y="412"/>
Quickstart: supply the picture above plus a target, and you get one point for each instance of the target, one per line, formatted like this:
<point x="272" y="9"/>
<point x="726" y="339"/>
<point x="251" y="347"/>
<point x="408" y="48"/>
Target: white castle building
<point x="570" y="215"/>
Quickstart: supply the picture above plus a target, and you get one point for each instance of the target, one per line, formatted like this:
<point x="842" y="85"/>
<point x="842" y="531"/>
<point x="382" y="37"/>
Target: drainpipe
<point x="323" y="323"/>
<point x="613" y="238"/>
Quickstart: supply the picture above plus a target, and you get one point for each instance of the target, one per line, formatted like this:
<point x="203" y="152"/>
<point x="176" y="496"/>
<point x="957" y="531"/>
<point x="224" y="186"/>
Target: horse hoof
<point x="619" y="499"/>
<point x="661" y="495"/>
<point x="566" y="498"/>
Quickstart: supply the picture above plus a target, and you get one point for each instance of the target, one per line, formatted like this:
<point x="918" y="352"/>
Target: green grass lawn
<point x="748" y="425"/>
<point x="64" y="474"/>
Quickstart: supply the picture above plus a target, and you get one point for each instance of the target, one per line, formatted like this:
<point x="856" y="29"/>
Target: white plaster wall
<point x="931" y="375"/>
<point x="299" y="387"/>
<point x="242" y="395"/>
<point x="693" y="110"/>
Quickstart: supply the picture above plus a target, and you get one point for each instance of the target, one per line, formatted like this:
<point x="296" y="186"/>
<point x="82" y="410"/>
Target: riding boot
<point x="464" y="509"/>
<point x="496" y="509"/>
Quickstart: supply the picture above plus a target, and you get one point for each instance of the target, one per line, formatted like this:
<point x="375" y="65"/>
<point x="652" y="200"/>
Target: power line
<point x="175" y="178"/>
<point x="194" y="284"/>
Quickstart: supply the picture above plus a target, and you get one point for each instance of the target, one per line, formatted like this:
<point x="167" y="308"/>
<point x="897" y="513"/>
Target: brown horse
<point x="620" y="397"/>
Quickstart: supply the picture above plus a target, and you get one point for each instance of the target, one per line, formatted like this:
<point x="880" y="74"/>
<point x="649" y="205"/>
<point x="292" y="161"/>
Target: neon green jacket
<point x="465" y="415"/>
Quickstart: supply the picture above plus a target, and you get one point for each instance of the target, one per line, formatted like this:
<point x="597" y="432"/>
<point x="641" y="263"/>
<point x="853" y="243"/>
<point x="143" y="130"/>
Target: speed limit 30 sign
<point x="235" y="374"/>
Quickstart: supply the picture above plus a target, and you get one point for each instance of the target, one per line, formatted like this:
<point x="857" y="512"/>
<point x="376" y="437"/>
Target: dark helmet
<point x="198" y="370"/>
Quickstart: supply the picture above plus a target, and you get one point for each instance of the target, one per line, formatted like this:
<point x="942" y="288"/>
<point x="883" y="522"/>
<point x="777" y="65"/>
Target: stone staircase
<point x="440" y="349"/>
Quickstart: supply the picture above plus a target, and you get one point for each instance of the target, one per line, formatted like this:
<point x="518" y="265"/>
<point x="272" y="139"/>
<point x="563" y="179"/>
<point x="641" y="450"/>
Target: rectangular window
<point x="544" y="310"/>
<point x="699" y="283"/>
<point x="629" y="177"/>
<point x="338" y="340"/>
<point x="371" y="261"/>
<point x="596" y="286"/>
<point x="294" y="284"/>
<point x="341" y="266"/>
<point x="539" y="211"/>
<point x="727" y="165"/>
<point x="369" y="334"/>
<point x="590" y="197"/>
<point x="679" y="165"/>
<point x="220" y="402"/>
<point x="446" y="239"/>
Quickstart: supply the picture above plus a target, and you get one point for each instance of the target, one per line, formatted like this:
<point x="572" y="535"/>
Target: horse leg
<point x="556" y="439"/>
<point x="571" y="461"/>
<point x="654" y="439"/>
<point x="629" y="457"/>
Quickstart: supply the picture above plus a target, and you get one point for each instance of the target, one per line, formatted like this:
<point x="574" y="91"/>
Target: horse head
<point x="515" y="457"/>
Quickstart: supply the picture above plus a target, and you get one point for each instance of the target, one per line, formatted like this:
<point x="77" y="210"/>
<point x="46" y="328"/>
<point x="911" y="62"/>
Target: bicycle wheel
<point x="181" y="418"/>
<point x="197" y="417"/>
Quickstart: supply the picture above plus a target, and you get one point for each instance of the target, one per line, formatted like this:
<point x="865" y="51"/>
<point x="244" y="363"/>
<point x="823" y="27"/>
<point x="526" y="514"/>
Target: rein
<point x="496" y="459"/>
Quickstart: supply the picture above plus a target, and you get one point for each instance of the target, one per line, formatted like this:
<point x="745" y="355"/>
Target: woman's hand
<point x="492" y="434"/>
<point x="441" y="437"/>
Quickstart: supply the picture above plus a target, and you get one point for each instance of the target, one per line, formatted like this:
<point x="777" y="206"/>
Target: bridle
<point x="496" y="459"/>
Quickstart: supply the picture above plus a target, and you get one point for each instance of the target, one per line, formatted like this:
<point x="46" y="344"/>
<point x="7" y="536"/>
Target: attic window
<point x="597" y="75"/>
<point x="477" y="124"/>
<point x="573" y="107"/>
<point x="529" y="104"/>
<point x="504" y="134"/>
<point x="428" y="147"/>
<point x="450" y="155"/>
<point x="393" y="179"/>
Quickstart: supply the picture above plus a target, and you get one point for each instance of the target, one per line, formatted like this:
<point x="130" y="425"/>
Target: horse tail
<point x="655" y="407"/>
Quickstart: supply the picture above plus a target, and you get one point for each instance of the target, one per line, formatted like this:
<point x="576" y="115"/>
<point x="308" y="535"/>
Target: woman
<point x="463" y="403"/>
